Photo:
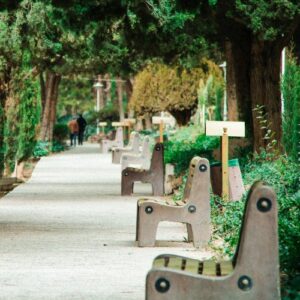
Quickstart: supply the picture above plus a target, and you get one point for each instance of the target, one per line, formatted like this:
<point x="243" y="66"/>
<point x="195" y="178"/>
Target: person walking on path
<point x="81" y="126"/>
<point x="74" y="129"/>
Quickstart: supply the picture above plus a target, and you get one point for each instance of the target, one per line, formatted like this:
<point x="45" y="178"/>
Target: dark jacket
<point x="81" y="124"/>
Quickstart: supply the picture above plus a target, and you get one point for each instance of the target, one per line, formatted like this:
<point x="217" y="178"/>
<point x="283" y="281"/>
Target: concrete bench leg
<point x="200" y="234"/>
<point x="158" y="188"/>
<point x="189" y="233"/>
<point x="126" y="186"/>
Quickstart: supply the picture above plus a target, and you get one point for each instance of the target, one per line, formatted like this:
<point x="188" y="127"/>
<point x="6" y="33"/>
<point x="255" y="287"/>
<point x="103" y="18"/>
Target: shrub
<point x="57" y="146"/>
<point x="160" y="87"/>
<point x="29" y="118"/>
<point x="283" y="174"/>
<point x="291" y="119"/>
<point x="186" y="144"/>
<point x="109" y="113"/>
<point x="60" y="132"/>
<point x="41" y="149"/>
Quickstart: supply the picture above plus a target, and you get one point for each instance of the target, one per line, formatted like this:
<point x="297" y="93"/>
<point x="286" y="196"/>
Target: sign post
<point x="129" y="123"/>
<point x="225" y="129"/>
<point x="102" y="125"/>
<point x="161" y="121"/>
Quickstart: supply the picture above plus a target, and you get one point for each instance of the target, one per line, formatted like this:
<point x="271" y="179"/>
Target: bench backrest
<point x="146" y="153"/>
<point x="188" y="184"/>
<point x="157" y="160"/>
<point x="119" y="134"/>
<point x="258" y="244"/>
<point x="197" y="189"/>
<point x="134" y="141"/>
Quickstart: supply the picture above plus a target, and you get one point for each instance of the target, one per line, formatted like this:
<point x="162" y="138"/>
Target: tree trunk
<point x="43" y="91"/>
<point x="107" y="90"/>
<point x="53" y="105"/>
<point x="4" y="87"/>
<point x="256" y="68"/>
<point x="49" y="111"/>
<point x="128" y="90"/>
<point x="265" y="89"/>
<point x="182" y="116"/>
<point x="120" y="98"/>
<point x="101" y="93"/>
<point x="233" y="110"/>
<point x="148" y="121"/>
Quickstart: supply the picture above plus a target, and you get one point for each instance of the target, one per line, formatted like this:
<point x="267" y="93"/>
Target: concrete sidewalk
<point x="68" y="234"/>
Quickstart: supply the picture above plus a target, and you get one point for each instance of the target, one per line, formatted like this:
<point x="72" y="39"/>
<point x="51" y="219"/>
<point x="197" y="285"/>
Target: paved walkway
<point x="68" y="234"/>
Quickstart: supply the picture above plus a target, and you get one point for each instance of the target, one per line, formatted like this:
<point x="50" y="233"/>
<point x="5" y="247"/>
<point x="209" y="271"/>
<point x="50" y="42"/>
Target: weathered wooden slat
<point x="175" y="263"/>
<point x="159" y="262"/>
<point x="226" y="267"/>
<point x="192" y="266"/>
<point x="209" y="268"/>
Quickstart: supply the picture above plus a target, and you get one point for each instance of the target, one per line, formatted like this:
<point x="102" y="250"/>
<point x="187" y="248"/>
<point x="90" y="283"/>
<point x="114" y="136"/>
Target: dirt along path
<point x="68" y="234"/>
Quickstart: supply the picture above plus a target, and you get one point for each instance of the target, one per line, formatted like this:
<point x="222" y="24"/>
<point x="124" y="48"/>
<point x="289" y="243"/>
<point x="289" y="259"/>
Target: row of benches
<point x="253" y="273"/>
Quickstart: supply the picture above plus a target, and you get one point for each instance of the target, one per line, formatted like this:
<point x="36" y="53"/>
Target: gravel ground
<point x="68" y="234"/>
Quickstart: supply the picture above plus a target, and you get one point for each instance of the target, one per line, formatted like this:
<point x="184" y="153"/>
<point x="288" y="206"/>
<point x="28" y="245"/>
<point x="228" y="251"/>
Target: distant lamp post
<point x="225" y="110"/>
<point x="98" y="86"/>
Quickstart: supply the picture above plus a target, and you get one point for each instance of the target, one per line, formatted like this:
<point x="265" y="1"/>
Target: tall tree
<point x="254" y="33"/>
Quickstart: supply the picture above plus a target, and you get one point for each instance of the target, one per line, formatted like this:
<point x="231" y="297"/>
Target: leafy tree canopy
<point x="159" y="87"/>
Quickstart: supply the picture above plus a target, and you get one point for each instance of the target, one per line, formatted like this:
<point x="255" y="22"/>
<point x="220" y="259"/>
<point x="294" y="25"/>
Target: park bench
<point x="132" y="147"/>
<point x="252" y="274"/>
<point x="106" y="145"/>
<point x="153" y="175"/>
<point x="193" y="209"/>
<point x="140" y="160"/>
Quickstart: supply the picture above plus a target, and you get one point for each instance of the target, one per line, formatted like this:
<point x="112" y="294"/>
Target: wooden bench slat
<point x="192" y="266"/>
<point x="159" y="262"/>
<point x="226" y="267"/>
<point x="180" y="203"/>
<point x="175" y="263"/>
<point x="209" y="268"/>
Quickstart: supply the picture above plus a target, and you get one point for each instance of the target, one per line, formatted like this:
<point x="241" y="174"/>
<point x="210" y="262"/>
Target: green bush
<point x="29" y="118"/>
<point x="41" y="149"/>
<point x="283" y="174"/>
<point x="57" y="146"/>
<point x="291" y="118"/>
<point x="60" y="132"/>
<point x="186" y="144"/>
<point x="109" y="113"/>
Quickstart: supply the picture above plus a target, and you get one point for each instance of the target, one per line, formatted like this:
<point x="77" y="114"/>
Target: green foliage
<point x="186" y="144"/>
<point x="2" y="150"/>
<point x="267" y="134"/>
<point x="41" y="149"/>
<point x="291" y="120"/>
<point x="30" y="111"/>
<point x="219" y="100"/>
<point x="284" y="175"/>
<point x="159" y="87"/>
<point x="11" y="132"/>
<point x="109" y="113"/>
<point x="60" y="132"/>
<point x="75" y="95"/>
<point x="57" y="146"/>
